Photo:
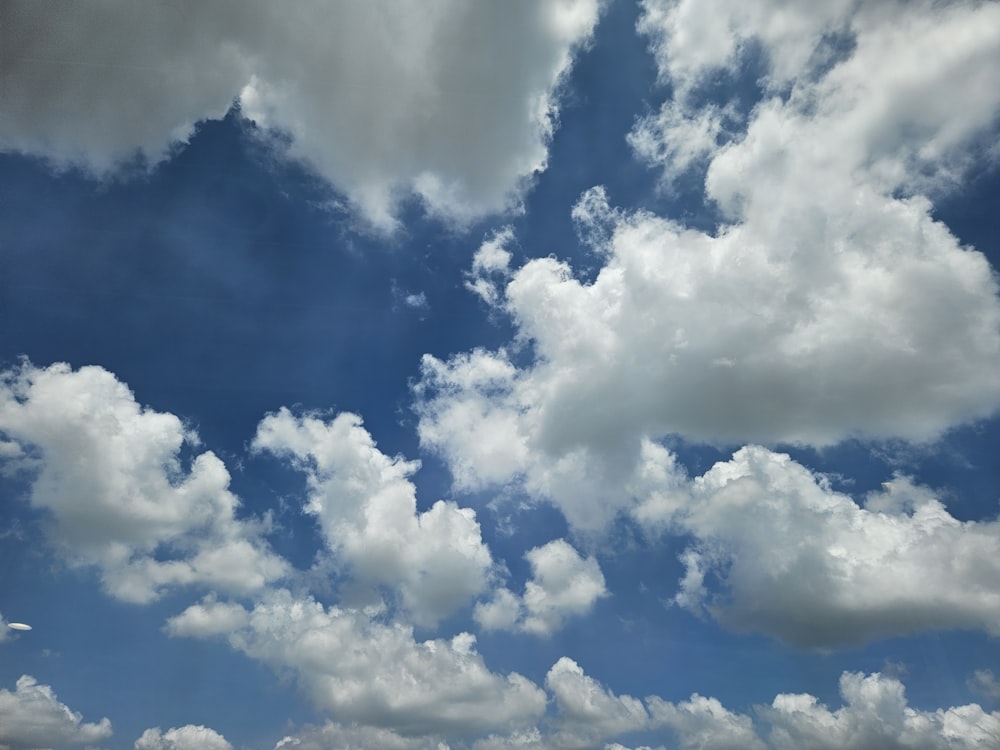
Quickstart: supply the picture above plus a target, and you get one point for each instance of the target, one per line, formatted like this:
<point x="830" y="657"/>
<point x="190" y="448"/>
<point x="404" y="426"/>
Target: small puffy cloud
<point x="588" y="712"/>
<point x="210" y="617"/>
<point x="110" y="474"/>
<point x="376" y="674"/>
<point x="189" y="737"/>
<point x="490" y="266"/>
<point x="985" y="683"/>
<point x="32" y="716"/>
<point x="779" y="552"/>
<point x="380" y="98"/>
<point x="366" y="507"/>
<point x="563" y="584"/>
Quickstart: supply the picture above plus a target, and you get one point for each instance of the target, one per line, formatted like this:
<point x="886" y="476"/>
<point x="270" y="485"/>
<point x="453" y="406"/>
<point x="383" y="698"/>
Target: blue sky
<point x="556" y="374"/>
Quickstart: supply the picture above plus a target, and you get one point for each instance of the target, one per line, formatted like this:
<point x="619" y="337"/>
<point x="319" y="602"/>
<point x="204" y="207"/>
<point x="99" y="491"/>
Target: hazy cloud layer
<point x="366" y="507"/>
<point x="120" y="494"/>
<point x="380" y="98"/>
<point x="32" y="716"/>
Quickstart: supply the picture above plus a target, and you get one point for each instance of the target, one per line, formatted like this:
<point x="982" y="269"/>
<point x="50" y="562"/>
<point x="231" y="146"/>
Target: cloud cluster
<point x="113" y="478"/>
<point x="875" y="714"/>
<point x="563" y="584"/>
<point x="188" y="737"/>
<point x="32" y="716"/>
<point x="380" y="98"/>
<point x="366" y="507"/>
<point x="376" y="674"/>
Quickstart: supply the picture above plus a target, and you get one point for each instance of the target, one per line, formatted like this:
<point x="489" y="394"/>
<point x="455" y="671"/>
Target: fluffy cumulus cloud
<point x="381" y="98"/>
<point x="562" y="584"/>
<point x="188" y="737"/>
<point x="375" y="673"/>
<point x="876" y="714"/>
<point x="210" y="617"/>
<point x="366" y="507"/>
<point x="587" y="711"/>
<point x="112" y="478"/>
<point x="32" y="716"/>
<point x="780" y="552"/>
<point x="830" y="305"/>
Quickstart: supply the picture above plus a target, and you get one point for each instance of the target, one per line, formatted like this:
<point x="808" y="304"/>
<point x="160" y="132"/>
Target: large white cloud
<point x="32" y="716"/>
<point x="376" y="674"/>
<point x="188" y="737"/>
<point x="831" y="304"/>
<point x="563" y="584"/>
<point x="780" y="552"/>
<point x="381" y="98"/>
<point x="109" y="473"/>
<point x="366" y="507"/>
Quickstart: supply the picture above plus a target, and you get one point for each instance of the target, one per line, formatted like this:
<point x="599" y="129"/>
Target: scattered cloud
<point x="189" y="737"/>
<point x="366" y="507"/>
<point x="119" y="493"/>
<point x="32" y="716"/>
<point x="563" y="584"/>
<point x="381" y="99"/>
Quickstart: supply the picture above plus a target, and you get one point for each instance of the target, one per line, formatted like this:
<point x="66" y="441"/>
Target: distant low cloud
<point x="875" y="714"/>
<point x="32" y="716"/>
<point x="110" y="474"/>
<point x="189" y="737"/>
<point x="562" y="585"/>
<point x="383" y="99"/>
<point x="354" y="737"/>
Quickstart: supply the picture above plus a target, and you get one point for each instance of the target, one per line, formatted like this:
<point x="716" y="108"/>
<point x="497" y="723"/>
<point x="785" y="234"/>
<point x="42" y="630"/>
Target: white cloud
<point x="188" y="737"/>
<point x="355" y="737"/>
<point x="32" y="716"/>
<point x="588" y="712"/>
<point x="209" y="618"/>
<point x="563" y="584"/>
<point x="380" y="98"/>
<point x="366" y="508"/>
<point x="779" y="552"/>
<point x="985" y="683"/>
<point x="110" y="474"/>
<point x="704" y="724"/>
<point x="375" y="674"/>
<point x="831" y="306"/>
<point x="876" y="714"/>
<point x="491" y="266"/>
